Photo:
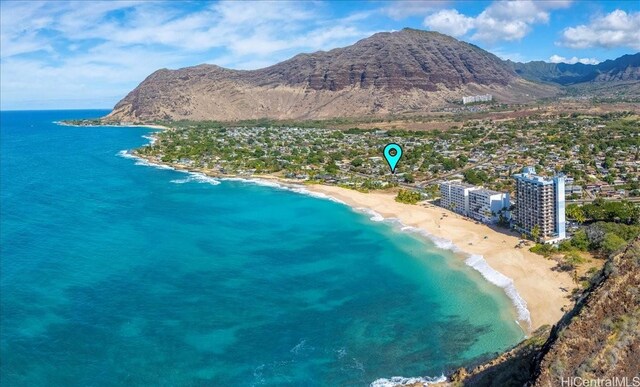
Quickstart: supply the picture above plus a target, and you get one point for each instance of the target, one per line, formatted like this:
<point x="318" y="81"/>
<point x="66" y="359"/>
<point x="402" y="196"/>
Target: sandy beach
<point x="545" y="291"/>
<point x="539" y="286"/>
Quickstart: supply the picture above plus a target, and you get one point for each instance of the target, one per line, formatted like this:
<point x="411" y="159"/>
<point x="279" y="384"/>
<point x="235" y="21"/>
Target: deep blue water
<point x="116" y="274"/>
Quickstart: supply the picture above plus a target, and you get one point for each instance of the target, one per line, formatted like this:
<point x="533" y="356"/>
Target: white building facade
<point x="477" y="98"/>
<point x="487" y="206"/>
<point x="540" y="202"/>
<point x="454" y="195"/>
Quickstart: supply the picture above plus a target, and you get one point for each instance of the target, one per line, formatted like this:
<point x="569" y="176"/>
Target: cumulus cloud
<point x="501" y="20"/>
<point x="450" y="22"/>
<point x="400" y="9"/>
<point x="616" y="29"/>
<point x="59" y="51"/>
<point x="573" y="60"/>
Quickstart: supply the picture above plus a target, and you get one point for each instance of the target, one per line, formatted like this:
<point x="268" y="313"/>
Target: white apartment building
<point x="486" y="205"/>
<point x="540" y="203"/>
<point x="477" y="98"/>
<point x="454" y="195"/>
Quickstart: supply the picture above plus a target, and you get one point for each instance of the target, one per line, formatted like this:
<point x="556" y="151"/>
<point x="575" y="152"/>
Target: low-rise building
<point x="487" y="206"/>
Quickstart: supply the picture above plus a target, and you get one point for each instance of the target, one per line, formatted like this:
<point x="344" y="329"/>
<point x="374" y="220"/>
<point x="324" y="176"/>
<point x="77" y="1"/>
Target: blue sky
<point x="65" y="55"/>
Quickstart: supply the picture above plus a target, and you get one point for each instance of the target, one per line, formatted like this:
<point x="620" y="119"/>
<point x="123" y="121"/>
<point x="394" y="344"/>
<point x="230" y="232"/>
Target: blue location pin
<point x="392" y="153"/>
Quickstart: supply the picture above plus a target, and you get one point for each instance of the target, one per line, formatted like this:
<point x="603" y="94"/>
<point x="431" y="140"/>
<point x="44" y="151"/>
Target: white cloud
<point x="616" y="29"/>
<point x="408" y="8"/>
<point x="501" y="20"/>
<point x="450" y="22"/>
<point x="508" y="55"/>
<point x="99" y="51"/>
<point x="573" y="60"/>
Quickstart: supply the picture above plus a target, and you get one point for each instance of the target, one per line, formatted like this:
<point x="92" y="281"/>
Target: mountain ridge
<point x="404" y="72"/>
<point x="624" y="68"/>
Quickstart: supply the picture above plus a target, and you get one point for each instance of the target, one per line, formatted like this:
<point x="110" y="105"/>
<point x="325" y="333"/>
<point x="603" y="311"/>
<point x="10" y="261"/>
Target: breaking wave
<point x="197" y="177"/>
<point x="140" y="161"/>
<point x="402" y="381"/>
<point x="495" y="277"/>
<point x="374" y="216"/>
<point x="286" y="187"/>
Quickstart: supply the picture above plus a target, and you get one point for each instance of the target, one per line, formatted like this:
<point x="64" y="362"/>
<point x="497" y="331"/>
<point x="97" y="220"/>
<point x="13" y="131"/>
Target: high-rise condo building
<point x="539" y="205"/>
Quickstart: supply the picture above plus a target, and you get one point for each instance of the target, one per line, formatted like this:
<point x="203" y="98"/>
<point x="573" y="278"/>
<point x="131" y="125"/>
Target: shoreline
<point x="520" y="273"/>
<point x="538" y="293"/>
<point x="527" y="278"/>
<point x="150" y="126"/>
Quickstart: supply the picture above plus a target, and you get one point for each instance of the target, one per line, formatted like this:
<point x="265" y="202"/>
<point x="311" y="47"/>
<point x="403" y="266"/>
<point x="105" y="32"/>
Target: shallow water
<point x="114" y="273"/>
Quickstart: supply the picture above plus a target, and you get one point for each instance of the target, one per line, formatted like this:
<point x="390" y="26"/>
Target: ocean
<point x="116" y="273"/>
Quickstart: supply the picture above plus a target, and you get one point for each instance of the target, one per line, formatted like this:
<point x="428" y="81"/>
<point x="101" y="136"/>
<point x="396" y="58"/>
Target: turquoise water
<point x="116" y="274"/>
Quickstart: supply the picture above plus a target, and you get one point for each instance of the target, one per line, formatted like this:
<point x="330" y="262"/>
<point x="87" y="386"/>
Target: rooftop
<point x="459" y="184"/>
<point x="486" y="191"/>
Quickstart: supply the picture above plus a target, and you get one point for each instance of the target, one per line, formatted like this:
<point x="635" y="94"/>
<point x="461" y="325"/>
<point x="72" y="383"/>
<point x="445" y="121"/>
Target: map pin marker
<point x="392" y="153"/>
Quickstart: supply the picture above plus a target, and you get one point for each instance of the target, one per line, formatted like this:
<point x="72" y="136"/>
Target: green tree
<point x="612" y="243"/>
<point x="408" y="196"/>
<point x="357" y="162"/>
<point x="575" y="212"/>
<point x="535" y="232"/>
<point x="579" y="240"/>
<point x="472" y="176"/>
<point x="331" y="168"/>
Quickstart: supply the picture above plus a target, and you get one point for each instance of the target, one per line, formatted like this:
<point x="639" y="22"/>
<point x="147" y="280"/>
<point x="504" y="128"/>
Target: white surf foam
<point x="374" y="216"/>
<point x="495" y="277"/>
<point x="402" y="381"/>
<point x="140" y="161"/>
<point x="197" y="177"/>
<point x="146" y="163"/>
<point x="152" y="139"/>
<point x="126" y="154"/>
<point x="441" y="243"/>
<point x="318" y="195"/>
<point x="286" y="187"/>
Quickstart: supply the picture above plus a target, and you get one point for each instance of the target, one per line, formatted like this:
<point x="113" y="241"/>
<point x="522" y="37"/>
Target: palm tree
<point x="535" y="233"/>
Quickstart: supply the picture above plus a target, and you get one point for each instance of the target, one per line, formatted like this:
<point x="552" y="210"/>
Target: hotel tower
<point x="539" y="202"/>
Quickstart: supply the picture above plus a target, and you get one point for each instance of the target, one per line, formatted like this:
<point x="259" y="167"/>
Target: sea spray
<point x="374" y="216"/>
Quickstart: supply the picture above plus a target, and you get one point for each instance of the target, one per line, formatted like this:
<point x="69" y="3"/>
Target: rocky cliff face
<point x="598" y="340"/>
<point x="404" y="60"/>
<point x="602" y="339"/>
<point x="407" y="71"/>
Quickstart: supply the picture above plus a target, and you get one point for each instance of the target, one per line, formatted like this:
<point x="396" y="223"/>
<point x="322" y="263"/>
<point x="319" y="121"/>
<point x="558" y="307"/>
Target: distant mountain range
<point x="404" y="72"/>
<point x="625" y="68"/>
